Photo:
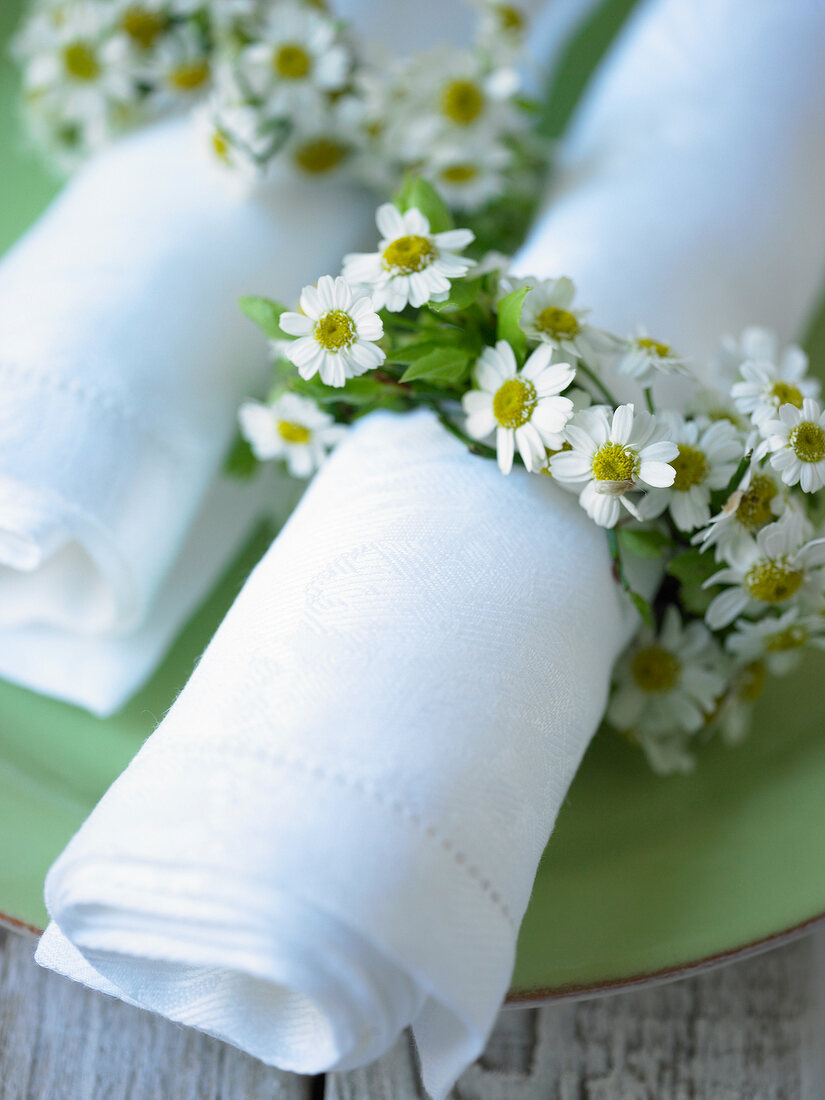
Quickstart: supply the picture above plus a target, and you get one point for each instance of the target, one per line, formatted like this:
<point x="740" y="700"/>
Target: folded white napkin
<point x="123" y="357"/>
<point x="350" y="798"/>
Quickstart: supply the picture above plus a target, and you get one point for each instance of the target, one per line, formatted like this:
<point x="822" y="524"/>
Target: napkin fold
<point x="123" y="357"/>
<point x="350" y="797"/>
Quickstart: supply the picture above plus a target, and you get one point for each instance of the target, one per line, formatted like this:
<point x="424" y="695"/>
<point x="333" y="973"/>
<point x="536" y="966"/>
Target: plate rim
<point x="535" y="998"/>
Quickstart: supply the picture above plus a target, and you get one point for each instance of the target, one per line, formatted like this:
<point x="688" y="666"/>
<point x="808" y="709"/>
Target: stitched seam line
<point x="92" y="395"/>
<point x="370" y="791"/>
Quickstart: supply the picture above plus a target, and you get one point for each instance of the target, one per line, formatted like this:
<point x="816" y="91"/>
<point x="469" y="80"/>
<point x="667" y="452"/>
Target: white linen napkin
<point x="123" y="357"/>
<point x="350" y="797"/>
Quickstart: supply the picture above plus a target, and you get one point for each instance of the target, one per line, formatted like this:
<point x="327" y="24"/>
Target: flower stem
<point x="594" y="378"/>
<point x="472" y="445"/>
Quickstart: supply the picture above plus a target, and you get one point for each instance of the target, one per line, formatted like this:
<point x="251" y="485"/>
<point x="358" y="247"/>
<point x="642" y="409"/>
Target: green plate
<point x="643" y="875"/>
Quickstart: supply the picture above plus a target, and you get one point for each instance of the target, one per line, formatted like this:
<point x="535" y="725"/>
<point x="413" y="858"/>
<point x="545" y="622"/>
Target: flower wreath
<point x="726" y="493"/>
<point x="283" y="82"/>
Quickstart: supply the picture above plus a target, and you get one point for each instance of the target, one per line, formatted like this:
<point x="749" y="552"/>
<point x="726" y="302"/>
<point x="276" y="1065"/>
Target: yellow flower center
<point x="144" y="27"/>
<point x="81" y="61"/>
<point x="408" y="254"/>
<point x="291" y="432"/>
<point x="784" y="393"/>
<point x="691" y="468"/>
<point x="514" y="402"/>
<point x="614" y="462"/>
<point x="754" y="509"/>
<point x="462" y="101"/>
<point x="509" y="18"/>
<point x="773" y="580"/>
<point x="459" y="173"/>
<point x="792" y="637"/>
<point x="291" y="61"/>
<point x="808" y="442"/>
<point x="320" y="155"/>
<point x="190" y="76"/>
<point x="654" y="347"/>
<point x="751" y="682"/>
<point x="656" y="670"/>
<point x="334" y="330"/>
<point x="220" y="146"/>
<point x="558" y="323"/>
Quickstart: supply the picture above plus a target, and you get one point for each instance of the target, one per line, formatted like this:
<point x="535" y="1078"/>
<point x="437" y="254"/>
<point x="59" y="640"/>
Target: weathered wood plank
<point x="754" y="1030"/>
<point x="59" y="1041"/>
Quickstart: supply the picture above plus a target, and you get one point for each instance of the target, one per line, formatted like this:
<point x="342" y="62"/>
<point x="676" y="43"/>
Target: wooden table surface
<point x="753" y="1030"/>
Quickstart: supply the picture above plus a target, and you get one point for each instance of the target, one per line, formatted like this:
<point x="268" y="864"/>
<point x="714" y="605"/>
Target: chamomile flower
<point x="707" y="460"/>
<point x="522" y="407"/>
<point x="757" y="502"/>
<point x="667" y="683"/>
<point x="549" y="317"/>
<point x="778" y="640"/>
<point x="613" y="453"/>
<point x="468" y="176"/>
<point x="734" y="715"/>
<point x="337" y="332"/>
<point x="412" y="264"/>
<point x="502" y="28"/>
<point x="292" y="428"/>
<point x="296" y="58"/>
<point x="73" y="67"/>
<point x="769" y="380"/>
<point x="797" y="440"/>
<point x="181" y="66"/>
<point x="642" y="358"/>
<point x="455" y="96"/>
<point x="781" y="564"/>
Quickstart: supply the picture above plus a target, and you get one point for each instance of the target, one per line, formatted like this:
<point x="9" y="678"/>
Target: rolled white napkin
<point x="689" y="196"/>
<point x="373" y="748"/>
<point x="350" y="798"/>
<point x="123" y="357"/>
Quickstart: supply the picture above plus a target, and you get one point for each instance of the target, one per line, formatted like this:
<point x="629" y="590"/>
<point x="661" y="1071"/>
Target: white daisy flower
<point x="779" y="565"/>
<point x="521" y="406"/>
<point x="548" y="317"/>
<point x="797" y="440"/>
<point x="707" y="460"/>
<point x="337" y="332"/>
<point x="758" y="501"/>
<point x="642" y="358"/>
<point x="292" y="428"/>
<point x="412" y="265"/>
<point x="468" y="176"/>
<point x="502" y="28"/>
<point x="777" y="640"/>
<point x="75" y="67"/>
<point x="181" y="66"/>
<point x="613" y="453"/>
<point x="667" y="683"/>
<point x="446" y="93"/>
<point x="734" y="717"/>
<point x="769" y="380"/>
<point x="295" y="60"/>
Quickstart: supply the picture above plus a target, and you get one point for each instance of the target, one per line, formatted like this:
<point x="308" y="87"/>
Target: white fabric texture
<point x="123" y="357"/>
<point x="350" y="797"/>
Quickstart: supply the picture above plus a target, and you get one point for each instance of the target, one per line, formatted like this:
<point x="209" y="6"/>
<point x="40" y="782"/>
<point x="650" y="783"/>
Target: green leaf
<point x="266" y="314"/>
<point x="417" y="194"/>
<point x="365" y="390"/>
<point x="641" y="542"/>
<point x="463" y="294"/>
<point x="508" y="325"/>
<point x="241" y="462"/>
<point x="442" y="366"/>
<point x="693" y="567"/>
<point x="643" y="607"/>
